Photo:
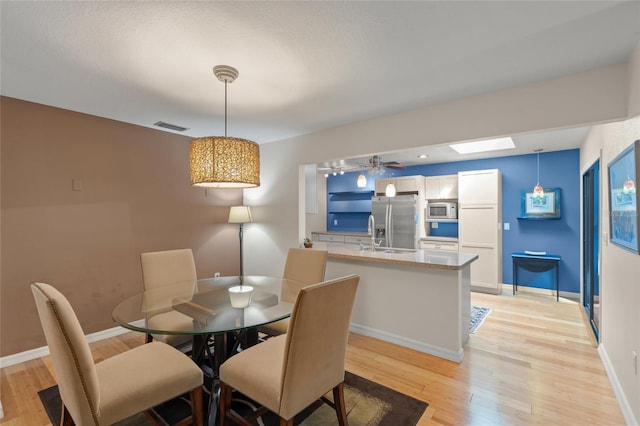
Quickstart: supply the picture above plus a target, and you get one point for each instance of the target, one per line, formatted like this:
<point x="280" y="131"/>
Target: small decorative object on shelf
<point x="307" y="243"/>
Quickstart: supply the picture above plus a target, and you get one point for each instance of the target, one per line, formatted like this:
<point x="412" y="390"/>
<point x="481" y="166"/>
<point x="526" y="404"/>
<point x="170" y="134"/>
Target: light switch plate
<point x="507" y="226"/>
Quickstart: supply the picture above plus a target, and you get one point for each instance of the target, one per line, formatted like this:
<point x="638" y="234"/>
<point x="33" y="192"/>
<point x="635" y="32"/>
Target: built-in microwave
<point x="439" y="210"/>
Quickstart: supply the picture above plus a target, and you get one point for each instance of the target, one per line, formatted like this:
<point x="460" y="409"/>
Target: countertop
<point x="422" y="258"/>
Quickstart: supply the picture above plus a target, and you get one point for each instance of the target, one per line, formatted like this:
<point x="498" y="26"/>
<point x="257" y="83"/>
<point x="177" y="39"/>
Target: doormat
<point x="367" y="402"/>
<point x="478" y="315"/>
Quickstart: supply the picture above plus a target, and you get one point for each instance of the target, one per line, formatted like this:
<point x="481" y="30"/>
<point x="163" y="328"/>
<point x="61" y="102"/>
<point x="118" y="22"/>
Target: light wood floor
<point x="533" y="361"/>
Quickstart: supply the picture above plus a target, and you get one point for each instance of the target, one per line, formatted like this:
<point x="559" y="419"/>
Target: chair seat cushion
<point x="258" y="372"/>
<point x="127" y="378"/>
<point x="171" y="320"/>
<point x="275" y="328"/>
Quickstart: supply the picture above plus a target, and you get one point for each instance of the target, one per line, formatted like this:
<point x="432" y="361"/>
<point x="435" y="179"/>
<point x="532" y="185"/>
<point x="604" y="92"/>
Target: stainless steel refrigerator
<point x="396" y="220"/>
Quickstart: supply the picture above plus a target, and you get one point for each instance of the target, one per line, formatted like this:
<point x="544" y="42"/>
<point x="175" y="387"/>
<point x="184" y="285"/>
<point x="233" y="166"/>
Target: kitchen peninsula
<point x="419" y="299"/>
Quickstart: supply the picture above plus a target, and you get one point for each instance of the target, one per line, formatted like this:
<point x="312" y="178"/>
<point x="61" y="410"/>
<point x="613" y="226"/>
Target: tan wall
<point x="135" y="198"/>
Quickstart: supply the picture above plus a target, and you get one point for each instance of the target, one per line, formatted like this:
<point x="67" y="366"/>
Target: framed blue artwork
<point x="623" y="201"/>
<point x="545" y="207"/>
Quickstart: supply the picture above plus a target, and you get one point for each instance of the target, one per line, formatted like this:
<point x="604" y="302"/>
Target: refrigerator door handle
<point x="390" y="225"/>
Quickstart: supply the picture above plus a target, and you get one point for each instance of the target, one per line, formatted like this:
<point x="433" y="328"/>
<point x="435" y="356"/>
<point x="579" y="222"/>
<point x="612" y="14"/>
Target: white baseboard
<point x="627" y="412"/>
<point x="8" y="360"/>
<point x="408" y="343"/>
<point x="524" y="289"/>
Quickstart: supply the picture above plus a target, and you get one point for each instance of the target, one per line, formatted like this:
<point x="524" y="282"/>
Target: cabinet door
<point x="351" y="239"/>
<point x="479" y="187"/>
<point x="449" y="186"/>
<point x="409" y="184"/>
<point x="479" y="234"/>
<point x="432" y="187"/>
<point x="331" y="238"/>
<point x="381" y="185"/>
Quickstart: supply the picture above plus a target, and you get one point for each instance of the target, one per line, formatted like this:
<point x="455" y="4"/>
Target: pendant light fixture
<point x="221" y="161"/>
<point x="390" y="190"/>
<point x="538" y="192"/>
<point x="362" y="180"/>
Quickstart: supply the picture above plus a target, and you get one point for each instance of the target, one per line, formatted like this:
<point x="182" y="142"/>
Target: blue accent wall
<point x="558" y="169"/>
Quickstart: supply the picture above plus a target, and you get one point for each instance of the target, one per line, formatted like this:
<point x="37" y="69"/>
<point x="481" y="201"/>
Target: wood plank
<point x="530" y="350"/>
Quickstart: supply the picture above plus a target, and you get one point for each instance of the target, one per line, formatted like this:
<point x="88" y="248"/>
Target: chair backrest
<point x="316" y="343"/>
<point x="305" y="266"/>
<point x="70" y="353"/>
<point x="162" y="268"/>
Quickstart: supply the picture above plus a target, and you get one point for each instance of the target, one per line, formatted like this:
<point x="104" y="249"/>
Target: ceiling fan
<point x="377" y="166"/>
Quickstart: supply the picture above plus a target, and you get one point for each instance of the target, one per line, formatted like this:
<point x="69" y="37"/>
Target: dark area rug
<point x="368" y="403"/>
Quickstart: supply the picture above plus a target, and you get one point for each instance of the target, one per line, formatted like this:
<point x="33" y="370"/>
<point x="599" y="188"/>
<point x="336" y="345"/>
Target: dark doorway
<point x="591" y="244"/>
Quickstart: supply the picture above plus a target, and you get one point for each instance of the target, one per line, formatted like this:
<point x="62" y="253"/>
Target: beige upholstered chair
<point x="305" y="266"/>
<point x="289" y="372"/>
<point x="118" y="387"/>
<point x="162" y="268"/>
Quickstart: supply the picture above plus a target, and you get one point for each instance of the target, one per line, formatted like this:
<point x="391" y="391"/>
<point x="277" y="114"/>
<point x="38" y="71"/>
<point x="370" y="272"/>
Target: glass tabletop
<point x="204" y="306"/>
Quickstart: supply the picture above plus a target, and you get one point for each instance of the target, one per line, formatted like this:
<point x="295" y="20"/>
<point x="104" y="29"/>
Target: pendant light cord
<point x="538" y="168"/>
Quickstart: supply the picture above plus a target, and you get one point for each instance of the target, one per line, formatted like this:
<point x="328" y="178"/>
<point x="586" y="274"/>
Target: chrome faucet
<point x="371" y="225"/>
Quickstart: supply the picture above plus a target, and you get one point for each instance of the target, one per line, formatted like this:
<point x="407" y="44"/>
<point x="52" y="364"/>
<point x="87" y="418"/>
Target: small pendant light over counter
<point x="221" y="161"/>
<point x="362" y="180"/>
<point x="538" y="192"/>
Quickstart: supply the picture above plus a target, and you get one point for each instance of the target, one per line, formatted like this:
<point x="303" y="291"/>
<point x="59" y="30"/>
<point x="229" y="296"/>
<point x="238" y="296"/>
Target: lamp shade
<point x="224" y="162"/>
<point x="240" y="214"/>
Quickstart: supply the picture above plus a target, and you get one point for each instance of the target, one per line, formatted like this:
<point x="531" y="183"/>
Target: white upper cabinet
<point x="402" y="183"/>
<point x="479" y="187"/>
<point x="441" y="187"/>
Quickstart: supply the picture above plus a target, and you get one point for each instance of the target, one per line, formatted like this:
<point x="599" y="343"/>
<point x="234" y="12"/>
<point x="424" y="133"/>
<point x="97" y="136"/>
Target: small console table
<point x="535" y="263"/>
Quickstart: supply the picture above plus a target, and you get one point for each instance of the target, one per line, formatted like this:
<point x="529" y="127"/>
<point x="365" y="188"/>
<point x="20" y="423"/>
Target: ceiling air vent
<point x="170" y="126"/>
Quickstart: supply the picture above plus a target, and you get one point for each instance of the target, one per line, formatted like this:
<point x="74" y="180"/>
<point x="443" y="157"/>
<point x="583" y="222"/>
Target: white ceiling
<point x="304" y="66"/>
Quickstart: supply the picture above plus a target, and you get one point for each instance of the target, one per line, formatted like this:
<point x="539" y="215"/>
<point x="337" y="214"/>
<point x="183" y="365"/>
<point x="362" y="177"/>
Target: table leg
<point x="557" y="281"/>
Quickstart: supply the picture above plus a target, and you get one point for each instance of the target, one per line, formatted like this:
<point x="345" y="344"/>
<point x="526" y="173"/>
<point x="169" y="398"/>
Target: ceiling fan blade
<point x="394" y="166"/>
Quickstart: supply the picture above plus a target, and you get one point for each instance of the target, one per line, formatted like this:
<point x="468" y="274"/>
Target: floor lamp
<point x="240" y="215"/>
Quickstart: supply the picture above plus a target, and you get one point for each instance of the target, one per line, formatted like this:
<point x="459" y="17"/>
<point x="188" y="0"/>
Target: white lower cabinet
<point x="350" y="239"/>
<point x="438" y="245"/>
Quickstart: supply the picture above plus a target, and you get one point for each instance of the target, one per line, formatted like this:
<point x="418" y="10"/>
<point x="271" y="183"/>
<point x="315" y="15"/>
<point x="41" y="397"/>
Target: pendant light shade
<point x="221" y="161"/>
<point x="390" y="190"/>
<point x="224" y="162"/>
<point x="362" y="180"/>
<point x="538" y="191"/>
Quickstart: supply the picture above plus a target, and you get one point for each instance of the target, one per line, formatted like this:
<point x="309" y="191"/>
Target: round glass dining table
<point x="203" y="309"/>
<point x="204" y="306"/>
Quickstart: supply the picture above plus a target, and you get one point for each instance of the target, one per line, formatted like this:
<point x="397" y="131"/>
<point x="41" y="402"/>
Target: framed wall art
<point x="623" y="201"/>
<point x="545" y="207"/>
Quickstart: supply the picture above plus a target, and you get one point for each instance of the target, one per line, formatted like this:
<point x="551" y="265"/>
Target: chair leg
<point x="148" y="339"/>
<point x="225" y="402"/>
<point x="65" y="417"/>
<point x="196" y="406"/>
<point x="341" y="410"/>
<point x="284" y="422"/>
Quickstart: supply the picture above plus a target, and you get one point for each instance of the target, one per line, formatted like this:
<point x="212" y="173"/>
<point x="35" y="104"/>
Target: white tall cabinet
<point x="479" y="226"/>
